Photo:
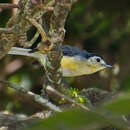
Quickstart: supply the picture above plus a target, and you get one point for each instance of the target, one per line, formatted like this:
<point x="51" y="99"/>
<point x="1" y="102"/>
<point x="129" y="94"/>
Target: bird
<point x="75" y="62"/>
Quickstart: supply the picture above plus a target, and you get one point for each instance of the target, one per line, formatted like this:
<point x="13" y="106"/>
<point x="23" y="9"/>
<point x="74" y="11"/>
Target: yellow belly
<point x="72" y="67"/>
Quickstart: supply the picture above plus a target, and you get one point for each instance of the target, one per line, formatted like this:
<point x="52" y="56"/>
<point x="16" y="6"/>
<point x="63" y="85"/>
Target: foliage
<point x="98" y="26"/>
<point x="109" y="114"/>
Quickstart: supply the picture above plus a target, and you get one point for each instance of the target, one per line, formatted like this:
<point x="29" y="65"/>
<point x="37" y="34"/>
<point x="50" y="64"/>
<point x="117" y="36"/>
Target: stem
<point x="7" y="30"/>
<point x="39" y="28"/>
<point x="57" y="93"/>
<point x="8" y="5"/>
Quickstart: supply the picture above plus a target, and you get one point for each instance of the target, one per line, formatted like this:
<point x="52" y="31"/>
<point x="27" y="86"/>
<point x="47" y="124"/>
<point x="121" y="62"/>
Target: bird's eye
<point x="98" y="60"/>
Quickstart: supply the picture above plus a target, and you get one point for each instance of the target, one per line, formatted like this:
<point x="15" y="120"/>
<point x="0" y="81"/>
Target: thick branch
<point x="56" y="35"/>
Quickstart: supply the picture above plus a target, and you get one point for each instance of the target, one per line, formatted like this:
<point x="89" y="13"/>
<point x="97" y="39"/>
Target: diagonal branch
<point x="45" y="45"/>
<point x="17" y="122"/>
<point x="57" y="93"/>
<point x="36" y="97"/>
<point x="39" y="28"/>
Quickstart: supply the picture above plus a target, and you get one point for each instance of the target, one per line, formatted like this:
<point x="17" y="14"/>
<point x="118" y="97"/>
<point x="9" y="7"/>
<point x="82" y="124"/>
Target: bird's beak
<point x="108" y="66"/>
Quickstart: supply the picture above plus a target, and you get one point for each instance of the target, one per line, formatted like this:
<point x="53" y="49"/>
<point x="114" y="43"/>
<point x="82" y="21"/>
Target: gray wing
<point x="72" y="51"/>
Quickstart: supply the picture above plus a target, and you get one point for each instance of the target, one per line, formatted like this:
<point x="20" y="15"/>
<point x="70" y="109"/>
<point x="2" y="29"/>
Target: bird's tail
<point x="42" y="58"/>
<point x="21" y="51"/>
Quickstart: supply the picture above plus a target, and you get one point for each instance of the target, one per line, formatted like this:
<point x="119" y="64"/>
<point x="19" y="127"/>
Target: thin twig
<point x="8" y="5"/>
<point x="36" y="97"/>
<point x="7" y="30"/>
<point x="54" y="91"/>
<point x="48" y="8"/>
<point x="42" y="47"/>
<point x="35" y="37"/>
<point x="39" y="28"/>
<point x="10" y="121"/>
<point x="40" y="115"/>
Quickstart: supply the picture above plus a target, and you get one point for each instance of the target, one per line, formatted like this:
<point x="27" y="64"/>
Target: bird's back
<point x="73" y="51"/>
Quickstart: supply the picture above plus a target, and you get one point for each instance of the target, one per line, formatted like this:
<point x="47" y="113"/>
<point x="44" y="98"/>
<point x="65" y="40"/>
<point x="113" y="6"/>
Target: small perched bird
<point x="75" y="62"/>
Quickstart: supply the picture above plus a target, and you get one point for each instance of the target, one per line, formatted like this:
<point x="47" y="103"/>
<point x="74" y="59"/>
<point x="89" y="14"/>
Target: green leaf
<point x="120" y="105"/>
<point x="75" y="120"/>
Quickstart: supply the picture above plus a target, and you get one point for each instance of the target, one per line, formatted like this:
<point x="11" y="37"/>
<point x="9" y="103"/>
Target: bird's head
<point x="96" y="62"/>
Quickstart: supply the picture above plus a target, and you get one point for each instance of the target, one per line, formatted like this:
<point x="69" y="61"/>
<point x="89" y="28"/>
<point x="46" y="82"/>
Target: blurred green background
<point x="97" y="26"/>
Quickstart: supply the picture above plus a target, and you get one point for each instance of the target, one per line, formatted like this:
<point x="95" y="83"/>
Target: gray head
<point x="96" y="62"/>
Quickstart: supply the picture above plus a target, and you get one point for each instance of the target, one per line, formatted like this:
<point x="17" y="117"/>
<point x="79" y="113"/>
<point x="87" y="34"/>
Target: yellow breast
<point x="72" y="67"/>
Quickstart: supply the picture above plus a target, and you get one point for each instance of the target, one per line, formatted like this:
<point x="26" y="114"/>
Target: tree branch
<point x="8" y="5"/>
<point x="20" y="121"/>
<point x="26" y="8"/>
<point x="39" y="28"/>
<point x="36" y="97"/>
<point x="7" y="30"/>
<point x="51" y="90"/>
<point x="56" y="33"/>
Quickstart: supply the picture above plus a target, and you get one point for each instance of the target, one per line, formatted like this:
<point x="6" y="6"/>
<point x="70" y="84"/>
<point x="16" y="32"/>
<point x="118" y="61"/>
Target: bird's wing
<point x="72" y="51"/>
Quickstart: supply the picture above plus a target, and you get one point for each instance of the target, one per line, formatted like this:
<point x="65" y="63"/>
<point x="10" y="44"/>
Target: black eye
<point x="98" y="60"/>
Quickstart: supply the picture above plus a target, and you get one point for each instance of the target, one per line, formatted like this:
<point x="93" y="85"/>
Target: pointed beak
<point x="108" y="66"/>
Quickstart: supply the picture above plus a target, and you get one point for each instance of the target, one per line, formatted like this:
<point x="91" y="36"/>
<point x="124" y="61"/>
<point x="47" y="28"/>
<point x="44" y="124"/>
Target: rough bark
<point x="16" y="32"/>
